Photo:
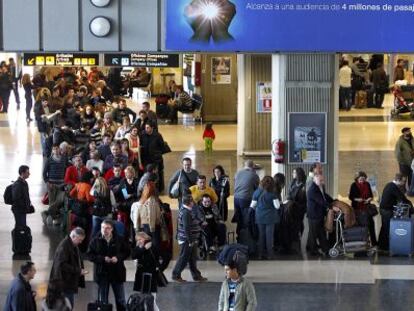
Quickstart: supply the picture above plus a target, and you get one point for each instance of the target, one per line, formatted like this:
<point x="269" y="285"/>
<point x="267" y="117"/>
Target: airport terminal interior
<point x="295" y="281"/>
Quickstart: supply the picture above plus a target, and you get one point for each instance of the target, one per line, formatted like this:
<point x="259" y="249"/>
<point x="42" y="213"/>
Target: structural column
<point x="306" y="83"/>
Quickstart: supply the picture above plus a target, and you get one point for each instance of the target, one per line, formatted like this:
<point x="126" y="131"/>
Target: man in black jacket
<point x="21" y="198"/>
<point x="67" y="269"/>
<point x="152" y="145"/>
<point x="108" y="251"/>
<point x="20" y="296"/>
<point x="391" y="196"/>
<point x="318" y="202"/>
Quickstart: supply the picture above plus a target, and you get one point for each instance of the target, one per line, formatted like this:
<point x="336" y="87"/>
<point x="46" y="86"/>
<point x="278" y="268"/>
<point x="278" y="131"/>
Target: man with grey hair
<point x="246" y="182"/>
<point x="67" y="270"/>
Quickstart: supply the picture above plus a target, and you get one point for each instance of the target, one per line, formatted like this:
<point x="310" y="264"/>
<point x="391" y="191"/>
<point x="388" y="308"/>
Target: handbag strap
<point x="153" y="256"/>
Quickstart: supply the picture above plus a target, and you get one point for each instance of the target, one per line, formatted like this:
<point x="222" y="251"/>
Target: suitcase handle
<point x="144" y="275"/>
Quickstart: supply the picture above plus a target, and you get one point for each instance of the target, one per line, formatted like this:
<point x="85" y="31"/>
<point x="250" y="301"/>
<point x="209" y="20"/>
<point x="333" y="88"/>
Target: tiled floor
<point x="282" y="284"/>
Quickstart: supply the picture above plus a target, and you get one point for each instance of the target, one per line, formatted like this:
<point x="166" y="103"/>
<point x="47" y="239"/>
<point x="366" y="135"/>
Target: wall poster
<point x="307" y="137"/>
<point x="221" y="70"/>
<point x="264" y="97"/>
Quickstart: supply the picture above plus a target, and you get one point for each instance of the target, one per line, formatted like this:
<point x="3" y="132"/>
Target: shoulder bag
<point x="175" y="189"/>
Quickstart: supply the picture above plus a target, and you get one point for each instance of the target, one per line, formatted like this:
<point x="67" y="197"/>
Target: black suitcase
<point x="99" y="305"/>
<point x="142" y="301"/>
<point x="22" y="240"/>
<point x="355" y="234"/>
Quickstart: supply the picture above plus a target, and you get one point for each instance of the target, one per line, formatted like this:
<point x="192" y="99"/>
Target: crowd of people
<point x="104" y="175"/>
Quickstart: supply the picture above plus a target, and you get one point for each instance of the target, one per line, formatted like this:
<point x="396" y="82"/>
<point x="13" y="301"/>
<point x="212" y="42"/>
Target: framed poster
<point x="307" y="137"/>
<point x="221" y="70"/>
<point x="264" y="97"/>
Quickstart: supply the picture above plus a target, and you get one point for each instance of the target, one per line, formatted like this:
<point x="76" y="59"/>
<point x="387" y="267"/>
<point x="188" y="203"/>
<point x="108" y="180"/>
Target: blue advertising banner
<point x="290" y="25"/>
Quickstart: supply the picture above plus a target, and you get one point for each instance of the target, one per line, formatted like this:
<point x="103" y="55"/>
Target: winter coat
<point x="147" y="263"/>
<point x="99" y="248"/>
<point x="67" y="266"/>
<point x="20" y="296"/>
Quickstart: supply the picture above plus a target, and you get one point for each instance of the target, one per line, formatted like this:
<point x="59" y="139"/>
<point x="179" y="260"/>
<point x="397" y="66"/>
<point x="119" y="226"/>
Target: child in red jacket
<point x="208" y="137"/>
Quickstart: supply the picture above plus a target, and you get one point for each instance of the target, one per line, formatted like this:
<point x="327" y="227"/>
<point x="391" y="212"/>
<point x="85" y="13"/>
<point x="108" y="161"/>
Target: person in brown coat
<point x="67" y="269"/>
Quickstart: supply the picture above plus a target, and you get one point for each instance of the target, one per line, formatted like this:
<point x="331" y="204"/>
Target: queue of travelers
<point x="104" y="174"/>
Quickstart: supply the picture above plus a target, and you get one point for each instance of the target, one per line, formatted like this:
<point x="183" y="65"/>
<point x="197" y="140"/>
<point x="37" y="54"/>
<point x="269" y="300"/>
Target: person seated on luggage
<point x="393" y="193"/>
<point x="74" y="172"/>
<point x="237" y="293"/>
<point x="183" y="101"/>
<point x="361" y="196"/>
<point x="147" y="256"/>
<point x="115" y="156"/>
<point x="318" y="202"/>
<point x="201" y="188"/>
<point x="212" y="223"/>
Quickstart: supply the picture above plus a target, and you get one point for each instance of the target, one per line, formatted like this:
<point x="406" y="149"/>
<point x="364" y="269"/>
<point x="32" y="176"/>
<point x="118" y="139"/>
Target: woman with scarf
<point x="361" y="196"/>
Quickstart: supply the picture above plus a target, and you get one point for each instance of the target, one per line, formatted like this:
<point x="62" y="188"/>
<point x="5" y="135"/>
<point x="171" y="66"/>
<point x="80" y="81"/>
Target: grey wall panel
<point x="89" y="41"/>
<point x="139" y="27"/>
<point x="61" y="25"/>
<point x="21" y="25"/>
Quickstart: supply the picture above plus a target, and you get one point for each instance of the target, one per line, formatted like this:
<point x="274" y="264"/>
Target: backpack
<point x="8" y="195"/>
<point x="140" y="302"/>
<point x="239" y="253"/>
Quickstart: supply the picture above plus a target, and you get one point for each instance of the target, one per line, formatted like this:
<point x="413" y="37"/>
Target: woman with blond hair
<point x="146" y="213"/>
<point x="148" y="262"/>
<point x="103" y="204"/>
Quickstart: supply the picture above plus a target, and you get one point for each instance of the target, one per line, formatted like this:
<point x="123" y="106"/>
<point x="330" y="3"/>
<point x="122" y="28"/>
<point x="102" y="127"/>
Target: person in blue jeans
<point x="267" y="206"/>
<point x="103" y="204"/>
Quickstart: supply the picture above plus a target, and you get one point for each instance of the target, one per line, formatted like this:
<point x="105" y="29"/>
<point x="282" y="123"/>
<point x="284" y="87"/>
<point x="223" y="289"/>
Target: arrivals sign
<point x="142" y="60"/>
<point x="290" y="25"/>
<point x="60" y="59"/>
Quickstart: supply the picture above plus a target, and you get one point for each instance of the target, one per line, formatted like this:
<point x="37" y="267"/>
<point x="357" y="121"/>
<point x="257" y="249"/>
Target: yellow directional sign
<point x="84" y="61"/>
<point x="40" y="60"/>
<point x="91" y="61"/>
<point x="77" y="61"/>
<point x="31" y="61"/>
<point x="50" y="60"/>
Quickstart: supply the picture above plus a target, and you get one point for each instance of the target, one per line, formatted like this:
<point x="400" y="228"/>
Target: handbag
<point x="161" y="279"/>
<point x="166" y="148"/>
<point x="30" y="210"/>
<point x="175" y="189"/>
<point x="45" y="199"/>
<point x="372" y="210"/>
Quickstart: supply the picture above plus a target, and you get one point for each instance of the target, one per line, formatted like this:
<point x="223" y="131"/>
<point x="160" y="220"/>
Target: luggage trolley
<point x="351" y="240"/>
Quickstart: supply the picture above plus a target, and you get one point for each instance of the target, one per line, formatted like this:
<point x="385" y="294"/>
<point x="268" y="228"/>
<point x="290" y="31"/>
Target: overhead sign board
<point x="142" y="60"/>
<point x="60" y="59"/>
<point x="289" y="25"/>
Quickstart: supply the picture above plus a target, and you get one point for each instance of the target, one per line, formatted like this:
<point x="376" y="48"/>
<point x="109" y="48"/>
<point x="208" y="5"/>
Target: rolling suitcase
<point x="142" y="301"/>
<point x="99" y="306"/>
<point x="401" y="236"/>
<point x="21" y="240"/>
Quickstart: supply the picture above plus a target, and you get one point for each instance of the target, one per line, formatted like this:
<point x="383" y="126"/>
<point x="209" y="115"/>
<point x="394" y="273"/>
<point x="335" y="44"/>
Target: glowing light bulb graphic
<point x="210" y="10"/>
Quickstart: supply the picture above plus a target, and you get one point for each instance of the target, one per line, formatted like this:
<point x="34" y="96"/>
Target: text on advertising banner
<point x="290" y="25"/>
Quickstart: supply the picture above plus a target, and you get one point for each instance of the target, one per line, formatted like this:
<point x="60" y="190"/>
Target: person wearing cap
<point x="404" y="152"/>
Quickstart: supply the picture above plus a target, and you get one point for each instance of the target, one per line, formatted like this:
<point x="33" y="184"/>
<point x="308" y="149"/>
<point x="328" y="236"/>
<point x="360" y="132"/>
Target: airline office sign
<point x="290" y="25"/>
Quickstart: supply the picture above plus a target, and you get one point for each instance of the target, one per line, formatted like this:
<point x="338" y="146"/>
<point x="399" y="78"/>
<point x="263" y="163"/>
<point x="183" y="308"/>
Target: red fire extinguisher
<point x="279" y="150"/>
